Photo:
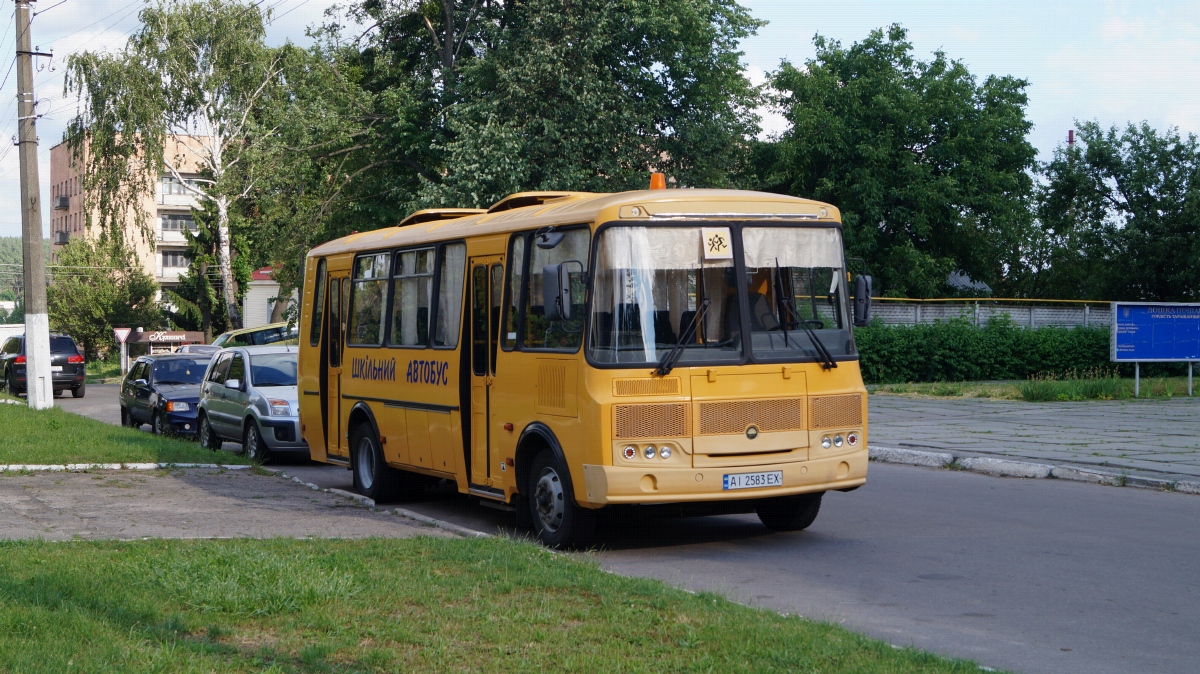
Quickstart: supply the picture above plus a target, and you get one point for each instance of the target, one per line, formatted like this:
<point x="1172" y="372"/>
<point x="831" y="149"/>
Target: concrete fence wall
<point x="1025" y="315"/>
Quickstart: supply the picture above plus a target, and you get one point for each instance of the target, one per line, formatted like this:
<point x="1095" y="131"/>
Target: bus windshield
<point x="651" y="282"/>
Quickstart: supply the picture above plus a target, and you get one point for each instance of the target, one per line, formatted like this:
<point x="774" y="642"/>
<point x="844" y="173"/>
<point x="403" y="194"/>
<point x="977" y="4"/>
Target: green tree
<point x="195" y="303"/>
<point x="931" y="169"/>
<point x="1120" y="212"/>
<point x="593" y="96"/>
<point x="97" y="286"/>
<point x="197" y="71"/>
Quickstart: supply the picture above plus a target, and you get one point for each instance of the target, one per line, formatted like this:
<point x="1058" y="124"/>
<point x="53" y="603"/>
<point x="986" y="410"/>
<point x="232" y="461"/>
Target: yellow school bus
<point x="562" y="352"/>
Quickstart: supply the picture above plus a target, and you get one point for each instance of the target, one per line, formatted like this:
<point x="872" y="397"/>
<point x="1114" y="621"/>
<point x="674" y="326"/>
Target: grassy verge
<point x="55" y="436"/>
<point x="99" y="371"/>
<point x="424" y="604"/>
<point x="1045" y="389"/>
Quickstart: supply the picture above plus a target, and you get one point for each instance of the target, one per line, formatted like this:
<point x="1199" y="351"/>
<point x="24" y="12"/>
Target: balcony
<point x="177" y="200"/>
<point x="62" y="203"/>
<point x="61" y="238"/>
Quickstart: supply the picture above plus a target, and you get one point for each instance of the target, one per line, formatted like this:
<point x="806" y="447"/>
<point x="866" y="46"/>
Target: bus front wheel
<point x="373" y="478"/>
<point x="558" y="521"/>
<point x="790" y="513"/>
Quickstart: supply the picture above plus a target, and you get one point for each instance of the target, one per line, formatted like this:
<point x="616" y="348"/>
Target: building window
<point x="174" y="259"/>
<point x="172" y="185"/>
<point x="177" y="222"/>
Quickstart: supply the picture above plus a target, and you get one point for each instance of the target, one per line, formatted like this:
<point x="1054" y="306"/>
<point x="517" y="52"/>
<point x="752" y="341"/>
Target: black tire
<point x="79" y="391"/>
<point x="373" y="478"/>
<point x="11" y="384"/>
<point x="558" y="521"/>
<point x="126" y="420"/>
<point x="158" y="425"/>
<point x="204" y="433"/>
<point x="253" y="445"/>
<point x="790" y="513"/>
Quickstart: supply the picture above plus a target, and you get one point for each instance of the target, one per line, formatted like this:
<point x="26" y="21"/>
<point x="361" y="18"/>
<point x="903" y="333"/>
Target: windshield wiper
<point x="827" y="361"/>
<point x="668" y="360"/>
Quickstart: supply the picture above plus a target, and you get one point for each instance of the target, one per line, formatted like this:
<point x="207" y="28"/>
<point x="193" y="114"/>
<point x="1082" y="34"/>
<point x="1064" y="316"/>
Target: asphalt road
<point x="1027" y="575"/>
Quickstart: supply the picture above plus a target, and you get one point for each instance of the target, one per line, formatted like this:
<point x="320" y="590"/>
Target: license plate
<point x="773" y="478"/>
<point x="56" y="368"/>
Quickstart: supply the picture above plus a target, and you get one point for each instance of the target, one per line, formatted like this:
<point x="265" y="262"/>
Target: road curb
<point x="84" y="467"/>
<point x="399" y="512"/>
<point x="1025" y="469"/>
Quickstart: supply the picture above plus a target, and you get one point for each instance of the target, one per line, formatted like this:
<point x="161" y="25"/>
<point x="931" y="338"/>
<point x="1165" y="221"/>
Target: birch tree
<point x="181" y="99"/>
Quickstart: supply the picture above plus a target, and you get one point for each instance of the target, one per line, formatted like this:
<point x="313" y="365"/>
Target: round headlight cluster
<point x="837" y="440"/>
<point x="630" y="452"/>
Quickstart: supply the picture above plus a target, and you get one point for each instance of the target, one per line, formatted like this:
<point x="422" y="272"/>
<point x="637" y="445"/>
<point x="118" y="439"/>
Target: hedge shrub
<point x="958" y="350"/>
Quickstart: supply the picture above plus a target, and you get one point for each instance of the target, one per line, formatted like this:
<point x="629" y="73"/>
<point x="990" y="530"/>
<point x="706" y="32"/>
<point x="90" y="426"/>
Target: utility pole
<point x="39" y="387"/>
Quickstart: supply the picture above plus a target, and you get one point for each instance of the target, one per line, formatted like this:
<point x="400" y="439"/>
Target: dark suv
<point x="66" y="365"/>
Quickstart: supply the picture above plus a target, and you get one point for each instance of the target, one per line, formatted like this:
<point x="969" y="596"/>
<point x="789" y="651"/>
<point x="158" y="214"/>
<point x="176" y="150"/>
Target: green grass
<point x="1046" y="389"/>
<point x="100" y="370"/>
<point x="55" y="436"/>
<point x="423" y="605"/>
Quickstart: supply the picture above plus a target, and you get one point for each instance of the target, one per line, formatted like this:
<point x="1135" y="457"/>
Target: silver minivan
<point x="249" y="396"/>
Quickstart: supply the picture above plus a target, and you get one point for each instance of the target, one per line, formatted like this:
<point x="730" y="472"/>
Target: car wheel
<point x="373" y="478"/>
<point x="204" y="433"/>
<point x="125" y="420"/>
<point x="79" y="391"/>
<point x="158" y="425"/>
<point x="558" y="522"/>
<point x="790" y="513"/>
<point x="252" y="444"/>
<point x="11" y="382"/>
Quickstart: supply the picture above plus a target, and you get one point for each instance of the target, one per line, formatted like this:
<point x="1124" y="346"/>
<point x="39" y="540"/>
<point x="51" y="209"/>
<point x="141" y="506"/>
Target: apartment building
<point x="162" y="248"/>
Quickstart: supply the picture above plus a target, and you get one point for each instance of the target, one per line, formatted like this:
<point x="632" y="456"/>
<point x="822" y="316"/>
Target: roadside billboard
<point x="1155" y="332"/>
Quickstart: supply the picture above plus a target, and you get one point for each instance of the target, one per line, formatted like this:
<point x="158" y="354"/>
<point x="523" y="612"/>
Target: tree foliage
<point x="1120" y="212"/>
<point x="196" y="71"/>
<point x="931" y="169"/>
<point x="100" y="285"/>
<point x="197" y="297"/>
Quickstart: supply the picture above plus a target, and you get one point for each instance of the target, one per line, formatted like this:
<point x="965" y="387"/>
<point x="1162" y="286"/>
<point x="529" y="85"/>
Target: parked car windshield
<point x="273" y="369"/>
<point x="182" y="371"/>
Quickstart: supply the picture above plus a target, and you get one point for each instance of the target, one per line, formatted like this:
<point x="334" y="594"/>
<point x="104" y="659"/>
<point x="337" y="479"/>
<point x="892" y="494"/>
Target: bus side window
<point x="556" y="335"/>
<point x="369" y="300"/>
<point x="335" y="324"/>
<point x="318" y="306"/>
<point x="411" y="299"/>
<point x="450" y="295"/>
<point x="512" y="303"/>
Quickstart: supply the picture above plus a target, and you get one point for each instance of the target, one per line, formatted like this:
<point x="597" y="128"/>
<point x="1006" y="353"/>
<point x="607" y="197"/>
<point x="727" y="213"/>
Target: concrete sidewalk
<point x="1148" y="438"/>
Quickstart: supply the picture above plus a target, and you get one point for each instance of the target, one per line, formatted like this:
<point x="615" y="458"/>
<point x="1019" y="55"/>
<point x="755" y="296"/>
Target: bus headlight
<point x="826" y="442"/>
<point x="664" y="452"/>
<point x="630" y="451"/>
<point x="852" y="438"/>
<point x="649" y="451"/>
<point x="837" y="441"/>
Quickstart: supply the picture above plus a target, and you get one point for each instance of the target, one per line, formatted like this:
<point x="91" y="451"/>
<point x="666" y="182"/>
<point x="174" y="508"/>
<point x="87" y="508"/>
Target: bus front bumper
<point x="605" y="485"/>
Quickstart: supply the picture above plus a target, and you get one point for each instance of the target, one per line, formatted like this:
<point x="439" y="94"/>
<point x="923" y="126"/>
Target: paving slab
<point x="192" y="503"/>
<point x="1147" y="438"/>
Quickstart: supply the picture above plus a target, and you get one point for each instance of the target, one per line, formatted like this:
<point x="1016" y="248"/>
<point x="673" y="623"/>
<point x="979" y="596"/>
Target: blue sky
<point x="1112" y="62"/>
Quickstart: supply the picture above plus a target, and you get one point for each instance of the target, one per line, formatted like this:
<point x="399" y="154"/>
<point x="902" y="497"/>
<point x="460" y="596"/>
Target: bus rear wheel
<point x="558" y="521"/>
<point x="373" y="478"/>
<point x="790" y="513"/>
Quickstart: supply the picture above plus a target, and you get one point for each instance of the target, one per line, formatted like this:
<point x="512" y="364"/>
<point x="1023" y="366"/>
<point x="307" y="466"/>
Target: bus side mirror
<point x="556" y="292"/>
<point x="862" y="300"/>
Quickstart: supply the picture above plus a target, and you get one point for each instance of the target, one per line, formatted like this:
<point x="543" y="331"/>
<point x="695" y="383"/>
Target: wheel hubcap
<point x="252" y="443"/>
<point x="549" y="501"/>
<point x="365" y="458"/>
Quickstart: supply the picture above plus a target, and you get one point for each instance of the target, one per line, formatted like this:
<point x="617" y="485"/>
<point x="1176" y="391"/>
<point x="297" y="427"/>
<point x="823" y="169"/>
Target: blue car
<point x="164" y="391"/>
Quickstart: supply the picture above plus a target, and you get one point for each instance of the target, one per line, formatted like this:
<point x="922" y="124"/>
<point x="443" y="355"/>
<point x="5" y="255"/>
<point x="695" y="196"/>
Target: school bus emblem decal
<point x="752" y="432"/>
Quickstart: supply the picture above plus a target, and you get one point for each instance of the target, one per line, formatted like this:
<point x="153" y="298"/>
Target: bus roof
<point x="580" y="207"/>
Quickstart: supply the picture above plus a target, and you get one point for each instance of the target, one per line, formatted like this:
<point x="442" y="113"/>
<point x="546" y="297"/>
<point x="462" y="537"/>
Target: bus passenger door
<point x="487" y="284"/>
<point x="339" y="293"/>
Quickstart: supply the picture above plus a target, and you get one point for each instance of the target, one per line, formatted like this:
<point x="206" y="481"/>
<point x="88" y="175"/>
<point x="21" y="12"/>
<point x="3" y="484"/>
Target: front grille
<point x="836" y="411"/>
<point x="646" y="386"/>
<point x="650" y="421"/>
<point x="735" y="416"/>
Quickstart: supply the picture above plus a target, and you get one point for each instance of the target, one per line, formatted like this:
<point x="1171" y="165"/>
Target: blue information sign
<point x="1155" y="331"/>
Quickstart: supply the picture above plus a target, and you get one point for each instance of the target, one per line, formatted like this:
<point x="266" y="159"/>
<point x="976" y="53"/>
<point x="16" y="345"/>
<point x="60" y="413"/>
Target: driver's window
<point x="541" y="333"/>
